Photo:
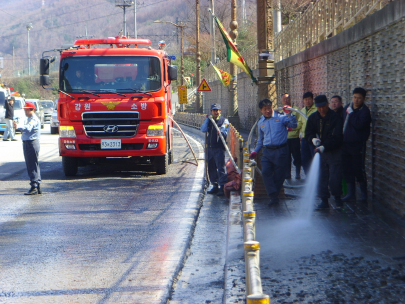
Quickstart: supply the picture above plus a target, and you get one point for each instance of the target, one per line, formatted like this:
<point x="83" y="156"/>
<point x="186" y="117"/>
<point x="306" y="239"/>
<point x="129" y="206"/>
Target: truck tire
<point x="54" y="130"/>
<point x="70" y="165"/>
<point x="162" y="164"/>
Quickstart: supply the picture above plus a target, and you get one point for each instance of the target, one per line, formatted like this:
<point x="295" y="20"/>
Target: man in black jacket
<point x="10" y="131"/>
<point x="356" y="131"/>
<point x="324" y="132"/>
<point x="216" y="150"/>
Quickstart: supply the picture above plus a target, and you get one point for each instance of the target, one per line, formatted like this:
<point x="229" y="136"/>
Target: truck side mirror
<point x="44" y="66"/>
<point x="44" y="80"/>
<point x="172" y="72"/>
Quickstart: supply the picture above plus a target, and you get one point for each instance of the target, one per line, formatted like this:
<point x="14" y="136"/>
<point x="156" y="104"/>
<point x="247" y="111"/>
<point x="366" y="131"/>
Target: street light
<point x="29" y="27"/>
<point x="181" y="26"/>
<point x="124" y="4"/>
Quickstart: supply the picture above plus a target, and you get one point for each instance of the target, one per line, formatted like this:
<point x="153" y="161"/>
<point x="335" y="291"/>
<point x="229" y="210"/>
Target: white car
<point x="55" y="121"/>
<point x="19" y="114"/>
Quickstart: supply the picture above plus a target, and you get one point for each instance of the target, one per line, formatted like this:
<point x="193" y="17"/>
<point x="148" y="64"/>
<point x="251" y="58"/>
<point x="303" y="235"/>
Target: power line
<point x="56" y="27"/>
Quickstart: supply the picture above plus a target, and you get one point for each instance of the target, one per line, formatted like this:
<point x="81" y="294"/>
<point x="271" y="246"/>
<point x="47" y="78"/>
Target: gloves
<point x="320" y="149"/>
<point x="316" y="141"/>
<point x="289" y="129"/>
<point x="349" y="110"/>
<point x="285" y="109"/>
<point x="253" y="155"/>
<point x="207" y="116"/>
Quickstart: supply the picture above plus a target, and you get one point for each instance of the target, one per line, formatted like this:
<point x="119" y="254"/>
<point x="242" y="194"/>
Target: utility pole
<point x="212" y="33"/>
<point x="181" y="26"/>
<point x="233" y="96"/>
<point x="124" y="4"/>
<point x="198" y="55"/>
<point x="265" y="47"/>
<point x="135" y="29"/>
<point x="29" y="27"/>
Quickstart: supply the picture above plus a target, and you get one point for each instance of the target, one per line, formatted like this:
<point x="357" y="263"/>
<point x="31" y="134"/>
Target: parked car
<point x="48" y="106"/>
<point x="39" y="111"/>
<point x="19" y="114"/>
<point x="54" y="120"/>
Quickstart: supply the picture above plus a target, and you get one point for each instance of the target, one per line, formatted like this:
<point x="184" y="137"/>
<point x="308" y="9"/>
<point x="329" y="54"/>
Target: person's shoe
<point x="351" y="193"/>
<point x="14" y="139"/>
<point x="221" y="191"/>
<point x="39" y="189"/>
<point x="324" y="204"/>
<point x="273" y="201"/>
<point x="363" y="191"/>
<point x="32" y="191"/>
<point x="338" y="202"/>
<point x="6" y="140"/>
<point x="213" y="190"/>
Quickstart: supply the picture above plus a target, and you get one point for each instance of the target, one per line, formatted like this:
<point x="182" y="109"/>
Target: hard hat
<point x="29" y="105"/>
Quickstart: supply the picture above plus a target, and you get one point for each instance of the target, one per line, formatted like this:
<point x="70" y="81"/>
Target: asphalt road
<point x="104" y="236"/>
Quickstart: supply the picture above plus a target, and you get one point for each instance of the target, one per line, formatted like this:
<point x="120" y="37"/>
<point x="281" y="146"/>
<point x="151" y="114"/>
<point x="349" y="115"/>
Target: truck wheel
<point x="70" y="165"/>
<point x="162" y="164"/>
<point x="54" y="130"/>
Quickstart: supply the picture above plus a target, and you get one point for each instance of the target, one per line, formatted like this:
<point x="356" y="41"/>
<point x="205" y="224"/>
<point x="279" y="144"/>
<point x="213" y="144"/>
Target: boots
<point x="351" y="192"/>
<point x="221" y="191"/>
<point x="39" y="189"/>
<point x="32" y="191"/>
<point x="363" y="190"/>
<point x="298" y="173"/>
<point x="323" y="205"/>
<point x="213" y="190"/>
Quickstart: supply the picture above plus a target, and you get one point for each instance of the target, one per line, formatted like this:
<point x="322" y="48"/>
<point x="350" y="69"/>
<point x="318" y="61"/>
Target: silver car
<point x="54" y="120"/>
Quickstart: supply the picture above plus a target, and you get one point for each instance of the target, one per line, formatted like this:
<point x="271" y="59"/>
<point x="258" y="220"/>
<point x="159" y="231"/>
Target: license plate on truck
<point x="111" y="144"/>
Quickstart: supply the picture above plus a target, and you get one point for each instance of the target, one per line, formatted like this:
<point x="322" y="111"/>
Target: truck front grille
<point x="97" y="147"/>
<point x="110" y="124"/>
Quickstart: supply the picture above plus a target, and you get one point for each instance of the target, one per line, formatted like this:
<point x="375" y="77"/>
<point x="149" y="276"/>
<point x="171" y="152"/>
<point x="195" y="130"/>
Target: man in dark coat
<point x="216" y="150"/>
<point x="9" y="118"/>
<point x="324" y="132"/>
<point x="356" y="131"/>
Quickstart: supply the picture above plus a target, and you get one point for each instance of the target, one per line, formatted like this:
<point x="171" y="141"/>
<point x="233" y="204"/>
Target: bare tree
<point x="291" y="9"/>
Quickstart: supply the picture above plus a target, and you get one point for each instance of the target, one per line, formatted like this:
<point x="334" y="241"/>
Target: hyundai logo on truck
<point x="110" y="129"/>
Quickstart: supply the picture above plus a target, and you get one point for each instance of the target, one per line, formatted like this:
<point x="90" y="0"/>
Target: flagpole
<point x="233" y="96"/>
<point x="198" y="55"/>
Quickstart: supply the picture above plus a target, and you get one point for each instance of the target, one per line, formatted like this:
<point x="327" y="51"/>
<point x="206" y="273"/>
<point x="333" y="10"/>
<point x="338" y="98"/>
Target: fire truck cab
<point x="114" y="102"/>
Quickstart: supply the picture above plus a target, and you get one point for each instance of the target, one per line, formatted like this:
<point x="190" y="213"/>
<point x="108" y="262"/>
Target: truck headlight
<point x="155" y="130"/>
<point x="67" y="131"/>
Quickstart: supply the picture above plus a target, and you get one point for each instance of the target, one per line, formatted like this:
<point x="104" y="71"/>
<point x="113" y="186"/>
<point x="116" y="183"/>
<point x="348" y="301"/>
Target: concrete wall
<point x="371" y="54"/>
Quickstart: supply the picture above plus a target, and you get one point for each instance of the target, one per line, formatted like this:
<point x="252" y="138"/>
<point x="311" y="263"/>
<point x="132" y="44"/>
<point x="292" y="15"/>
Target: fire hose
<point x="188" y="143"/>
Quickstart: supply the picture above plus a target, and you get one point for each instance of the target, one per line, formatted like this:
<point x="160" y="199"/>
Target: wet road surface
<point x="338" y="256"/>
<point x="105" y="236"/>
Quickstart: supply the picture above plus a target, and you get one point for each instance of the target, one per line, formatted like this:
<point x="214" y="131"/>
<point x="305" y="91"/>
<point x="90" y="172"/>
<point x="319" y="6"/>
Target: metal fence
<point x="322" y="20"/>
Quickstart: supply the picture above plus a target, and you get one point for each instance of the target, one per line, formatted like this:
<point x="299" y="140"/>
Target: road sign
<point x="182" y="90"/>
<point x="204" y="87"/>
<point x="172" y="57"/>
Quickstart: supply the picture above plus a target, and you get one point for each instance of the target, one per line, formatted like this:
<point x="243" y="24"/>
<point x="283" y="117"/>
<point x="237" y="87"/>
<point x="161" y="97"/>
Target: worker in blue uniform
<point x="30" y="137"/>
<point x="272" y="127"/>
<point x="216" y="149"/>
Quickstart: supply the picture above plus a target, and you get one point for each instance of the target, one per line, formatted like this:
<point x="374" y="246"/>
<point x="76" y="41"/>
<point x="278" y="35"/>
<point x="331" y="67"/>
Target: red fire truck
<point x="114" y="102"/>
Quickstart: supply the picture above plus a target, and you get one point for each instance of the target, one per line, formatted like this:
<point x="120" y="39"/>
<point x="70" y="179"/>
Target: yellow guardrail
<point x="235" y="143"/>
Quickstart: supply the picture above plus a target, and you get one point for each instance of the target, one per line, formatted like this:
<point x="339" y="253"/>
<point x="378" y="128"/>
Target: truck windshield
<point x="2" y="99"/>
<point x="110" y="73"/>
<point x="18" y="104"/>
